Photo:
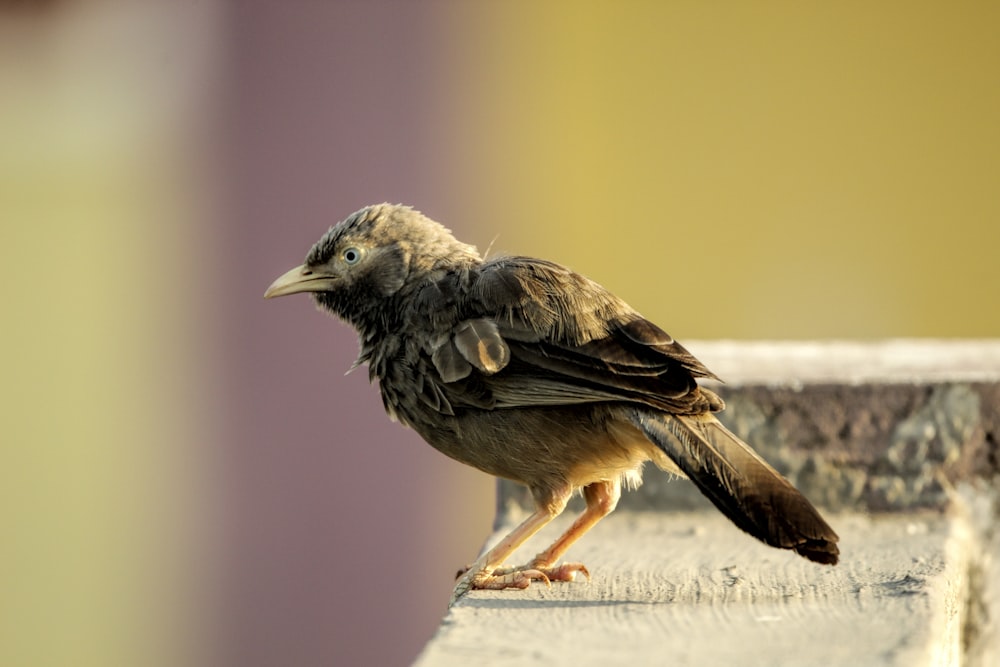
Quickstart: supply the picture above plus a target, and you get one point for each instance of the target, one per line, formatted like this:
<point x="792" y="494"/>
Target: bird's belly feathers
<point x="541" y="446"/>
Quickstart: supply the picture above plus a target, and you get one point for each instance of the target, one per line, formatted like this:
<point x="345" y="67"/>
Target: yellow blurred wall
<point x="745" y="170"/>
<point x="99" y="193"/>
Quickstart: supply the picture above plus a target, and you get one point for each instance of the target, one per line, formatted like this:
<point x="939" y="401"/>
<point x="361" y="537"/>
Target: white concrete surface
<point x="850" y="362"/>
<point x="690" y="589"/>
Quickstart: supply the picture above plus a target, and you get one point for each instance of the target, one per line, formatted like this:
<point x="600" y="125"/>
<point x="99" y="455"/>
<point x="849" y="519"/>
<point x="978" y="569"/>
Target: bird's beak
<point x="301" y="279"/>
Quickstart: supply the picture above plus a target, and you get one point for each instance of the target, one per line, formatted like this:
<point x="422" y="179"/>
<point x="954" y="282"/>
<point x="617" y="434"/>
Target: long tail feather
<point x="740" y="483"/>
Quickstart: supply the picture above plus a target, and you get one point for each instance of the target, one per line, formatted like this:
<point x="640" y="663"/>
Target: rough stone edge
<point x="981" y="612"/>
<point x="862" y="448"/>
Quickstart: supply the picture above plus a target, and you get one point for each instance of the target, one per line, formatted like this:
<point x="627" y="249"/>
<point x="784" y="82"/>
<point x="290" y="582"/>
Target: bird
<point x="531" y="372"/>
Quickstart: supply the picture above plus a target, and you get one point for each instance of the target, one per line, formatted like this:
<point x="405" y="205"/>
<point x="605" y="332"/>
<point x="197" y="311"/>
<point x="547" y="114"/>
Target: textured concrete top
<point x="689" y="589"/>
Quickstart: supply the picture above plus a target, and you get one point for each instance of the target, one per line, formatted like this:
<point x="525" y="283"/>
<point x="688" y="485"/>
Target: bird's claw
<point x="564" y="572"/>
<point x="484" y="580"/>
<point x="519" y="577"/>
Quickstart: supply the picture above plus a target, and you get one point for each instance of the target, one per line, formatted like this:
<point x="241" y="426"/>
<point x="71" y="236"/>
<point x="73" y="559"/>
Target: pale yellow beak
<point x="301" y="279"/>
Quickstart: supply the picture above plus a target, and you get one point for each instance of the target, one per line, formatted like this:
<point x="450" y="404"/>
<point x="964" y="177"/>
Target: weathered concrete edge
<point x="920" y="418"/>
<point x="981" y="602"/>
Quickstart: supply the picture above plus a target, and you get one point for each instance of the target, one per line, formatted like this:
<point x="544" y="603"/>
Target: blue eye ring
<point x="352" y="255"/>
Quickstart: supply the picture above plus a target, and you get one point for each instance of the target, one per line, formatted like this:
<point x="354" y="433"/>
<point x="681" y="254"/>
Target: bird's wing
<point x="532" y="332"/>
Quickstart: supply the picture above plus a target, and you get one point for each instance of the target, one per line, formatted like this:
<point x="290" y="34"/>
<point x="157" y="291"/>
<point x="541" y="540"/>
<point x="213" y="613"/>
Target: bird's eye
<point x="352" y="255"/>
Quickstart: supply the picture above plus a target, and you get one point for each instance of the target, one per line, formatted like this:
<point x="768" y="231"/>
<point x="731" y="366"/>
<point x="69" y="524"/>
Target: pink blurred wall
<point x="343" y="530"/>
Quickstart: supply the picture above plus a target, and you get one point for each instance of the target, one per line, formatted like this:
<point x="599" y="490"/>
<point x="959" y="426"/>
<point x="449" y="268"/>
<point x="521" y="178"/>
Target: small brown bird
<point x="531" y="372"/>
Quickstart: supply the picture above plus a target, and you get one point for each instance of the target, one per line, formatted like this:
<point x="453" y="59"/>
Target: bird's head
<point x="371" y="256"/>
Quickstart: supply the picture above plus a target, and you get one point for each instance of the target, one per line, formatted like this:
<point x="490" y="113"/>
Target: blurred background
<point x="188" y="478"/>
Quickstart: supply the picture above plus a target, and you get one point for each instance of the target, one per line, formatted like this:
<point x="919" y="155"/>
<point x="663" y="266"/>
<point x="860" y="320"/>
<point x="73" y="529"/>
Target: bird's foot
<point x="519" y="577"/>
<point x="486" y="580"/>
<point x="563" y="572"/>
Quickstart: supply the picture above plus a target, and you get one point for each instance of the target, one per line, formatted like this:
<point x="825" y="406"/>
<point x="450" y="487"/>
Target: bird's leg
<point x="484" y="574"/>
<point x="601" y="497"/>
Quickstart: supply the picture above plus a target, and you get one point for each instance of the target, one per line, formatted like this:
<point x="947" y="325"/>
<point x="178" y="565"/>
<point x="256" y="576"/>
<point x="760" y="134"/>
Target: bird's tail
<point x="740" y="483"/>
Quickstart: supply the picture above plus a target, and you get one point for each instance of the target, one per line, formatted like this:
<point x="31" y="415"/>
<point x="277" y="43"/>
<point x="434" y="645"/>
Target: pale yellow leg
<point x="481" y="573"/>
<point x="601" y="497"/>
<point x="486" y="573"/>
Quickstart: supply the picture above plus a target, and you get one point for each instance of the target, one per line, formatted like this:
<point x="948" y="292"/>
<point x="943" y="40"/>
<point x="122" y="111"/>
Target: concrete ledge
<point x="688" y="589"/>
<point x="898" y="439"/>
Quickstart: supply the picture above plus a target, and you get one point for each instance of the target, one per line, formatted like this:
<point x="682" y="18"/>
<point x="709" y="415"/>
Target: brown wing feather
<point x="740" y="483"/>
<point x="569" y="341"/>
